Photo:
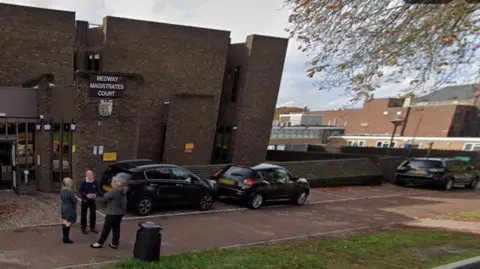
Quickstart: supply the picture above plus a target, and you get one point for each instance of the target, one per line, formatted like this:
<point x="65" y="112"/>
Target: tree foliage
<point x="360" y="45"/>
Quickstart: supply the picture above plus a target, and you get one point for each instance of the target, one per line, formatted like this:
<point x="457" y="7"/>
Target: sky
<point x="242" y="18"/>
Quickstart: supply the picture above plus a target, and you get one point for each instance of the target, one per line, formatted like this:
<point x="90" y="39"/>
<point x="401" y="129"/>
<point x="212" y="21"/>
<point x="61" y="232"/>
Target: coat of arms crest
<point x="105" y="108"/>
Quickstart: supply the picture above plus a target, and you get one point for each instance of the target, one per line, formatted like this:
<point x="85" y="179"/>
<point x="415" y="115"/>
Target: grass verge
<point x="395" y="249"/>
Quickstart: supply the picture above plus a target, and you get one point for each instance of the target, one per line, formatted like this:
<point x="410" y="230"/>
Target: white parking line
<point x="273" y="206"/>
<point x="98" y="212"/>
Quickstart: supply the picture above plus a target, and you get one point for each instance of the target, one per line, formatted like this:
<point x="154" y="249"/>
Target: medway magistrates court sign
<point x="106" y="86"/>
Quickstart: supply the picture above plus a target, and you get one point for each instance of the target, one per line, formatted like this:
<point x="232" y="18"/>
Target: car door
<point x="187" y="185"/>
<point x="285" y="184"/>
<point x="160" y="185"/>
<point x="272" y="190"/>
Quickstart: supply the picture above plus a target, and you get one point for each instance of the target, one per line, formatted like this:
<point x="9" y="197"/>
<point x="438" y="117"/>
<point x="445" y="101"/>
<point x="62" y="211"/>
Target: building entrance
<point x="7" y="165"/>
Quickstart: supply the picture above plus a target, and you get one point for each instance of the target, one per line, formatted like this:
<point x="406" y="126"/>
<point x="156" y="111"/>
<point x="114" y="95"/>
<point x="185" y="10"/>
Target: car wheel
<point x="300" y="198"/>
<point x="144" y="206"/>
<point x="473" y="185"/>
<point x="449" y="184"/>
<point x="255" y="201"/>
<point x="206" y="202"/>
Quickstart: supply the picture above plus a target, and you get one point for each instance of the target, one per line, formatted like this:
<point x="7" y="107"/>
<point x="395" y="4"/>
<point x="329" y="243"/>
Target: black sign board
<point x="106" y="86"/>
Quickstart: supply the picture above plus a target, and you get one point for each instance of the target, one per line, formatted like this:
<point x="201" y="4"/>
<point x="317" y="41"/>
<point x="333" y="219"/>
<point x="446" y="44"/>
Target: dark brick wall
<point x="35" y="41"/>
<point x="117" y="132"/>
<point x="190" y="121"/>
<point x="43" y="145"/>
<point x="257" y="96"/>
<point x="173" y="59"/>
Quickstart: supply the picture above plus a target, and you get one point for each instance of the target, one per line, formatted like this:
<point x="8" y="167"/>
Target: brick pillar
<point x="44" y="143"/>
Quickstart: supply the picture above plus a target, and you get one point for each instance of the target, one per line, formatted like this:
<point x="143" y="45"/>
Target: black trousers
<point x="91" y="205"/>
<point x="112" y="223"/>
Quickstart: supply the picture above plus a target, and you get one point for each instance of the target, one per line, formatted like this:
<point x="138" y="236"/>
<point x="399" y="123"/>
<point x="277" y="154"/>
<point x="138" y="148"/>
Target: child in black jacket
<point x="88" y="191"/>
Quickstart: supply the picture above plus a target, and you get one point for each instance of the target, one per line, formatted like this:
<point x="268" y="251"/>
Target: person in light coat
<point x="116" y="207"/>
<point x="68" y="208"/>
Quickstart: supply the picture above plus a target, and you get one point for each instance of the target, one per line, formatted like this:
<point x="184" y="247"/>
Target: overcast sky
<point x="242" y="18"/>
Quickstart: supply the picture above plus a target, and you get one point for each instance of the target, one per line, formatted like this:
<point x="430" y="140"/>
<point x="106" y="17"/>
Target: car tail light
<point x="216" y="174"/>
<point x="249" y="181"/>
<point x="437" y="178"/>
<point x="129" y="184"/>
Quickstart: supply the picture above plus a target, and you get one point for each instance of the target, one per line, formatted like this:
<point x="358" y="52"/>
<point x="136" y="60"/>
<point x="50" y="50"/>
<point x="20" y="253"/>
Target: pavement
<point x="330" y="212"/>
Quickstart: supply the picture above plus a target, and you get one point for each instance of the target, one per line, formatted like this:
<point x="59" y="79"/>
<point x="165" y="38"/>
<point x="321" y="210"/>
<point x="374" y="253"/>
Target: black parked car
<point x="441" y="172"/>
<point x="254" y="185"/>
<point x="154" y="185"/>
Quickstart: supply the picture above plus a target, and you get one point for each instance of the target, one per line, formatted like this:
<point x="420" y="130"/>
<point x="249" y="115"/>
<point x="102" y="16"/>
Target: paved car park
<point x="330" y="211"/>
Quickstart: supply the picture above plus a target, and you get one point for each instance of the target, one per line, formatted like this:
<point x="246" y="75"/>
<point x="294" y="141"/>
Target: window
<point x="180" y="174"/>
<point x="93" y="62"/>
<point x="471" y="147"/>
<point x="417" y="164"/>
<point x="236" y="79"/>
<point x="384" y="144"/>
<point x="356" y="143"/>
<point x="282" y="175"/>
<point x="280" y="147"/>
<point x="161" y="173"/>
<point x="271" y="147"/>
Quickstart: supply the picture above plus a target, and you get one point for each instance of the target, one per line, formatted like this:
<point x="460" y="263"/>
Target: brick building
<point x="439" y="118"/>
<point x="135" y="89"/>
<point x="449" y="112"/>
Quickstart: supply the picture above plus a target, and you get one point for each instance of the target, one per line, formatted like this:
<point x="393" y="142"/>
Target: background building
<point x="298" y="130"/>
<point x="184" y="94"/>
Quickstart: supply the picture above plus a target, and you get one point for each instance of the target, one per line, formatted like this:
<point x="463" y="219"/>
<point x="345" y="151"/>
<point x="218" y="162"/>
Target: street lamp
<point x="396" y="122"/>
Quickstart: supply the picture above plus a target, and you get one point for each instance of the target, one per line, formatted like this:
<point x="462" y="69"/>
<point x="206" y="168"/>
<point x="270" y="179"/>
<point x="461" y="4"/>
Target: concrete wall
<point x="320" y="173"/>
<point x="386" y="164"/>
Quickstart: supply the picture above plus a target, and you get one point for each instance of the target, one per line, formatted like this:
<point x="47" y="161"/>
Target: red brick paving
<point x="41" y="248"/>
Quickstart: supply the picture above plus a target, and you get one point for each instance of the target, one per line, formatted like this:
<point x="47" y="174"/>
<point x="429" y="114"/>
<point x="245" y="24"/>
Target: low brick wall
<point x="320" y="173"/>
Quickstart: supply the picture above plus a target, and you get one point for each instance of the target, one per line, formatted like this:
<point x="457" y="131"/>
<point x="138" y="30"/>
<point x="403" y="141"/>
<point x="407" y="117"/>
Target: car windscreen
<point x="428" y="164"/>
<point x="235" y="172"/>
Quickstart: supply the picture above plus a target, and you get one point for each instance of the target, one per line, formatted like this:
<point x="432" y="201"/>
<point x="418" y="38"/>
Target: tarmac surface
<point x="329" y="212"/>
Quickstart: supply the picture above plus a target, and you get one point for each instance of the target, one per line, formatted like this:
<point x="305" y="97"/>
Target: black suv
<point x="441" y="172"/>
<point x="154" y="185"/>
<point x="254" y="185"/>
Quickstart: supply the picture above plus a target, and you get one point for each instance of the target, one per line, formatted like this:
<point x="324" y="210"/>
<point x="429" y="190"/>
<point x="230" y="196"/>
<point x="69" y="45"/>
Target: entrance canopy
<point x="18" y="102"/>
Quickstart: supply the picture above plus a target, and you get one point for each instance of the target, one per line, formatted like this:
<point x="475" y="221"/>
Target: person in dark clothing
<point x="88" y="191"/>
<point x="116" y="207"/>
<point x="68" y="209"/>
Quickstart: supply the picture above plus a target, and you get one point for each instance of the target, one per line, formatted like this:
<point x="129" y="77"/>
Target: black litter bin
<point x="148" y="241"/>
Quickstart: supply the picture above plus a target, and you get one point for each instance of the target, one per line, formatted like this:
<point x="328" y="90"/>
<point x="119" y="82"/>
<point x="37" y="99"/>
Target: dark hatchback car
<point x="439" y="172"/>
<point x="154" y="185"/>
<point x="257" y="184"/>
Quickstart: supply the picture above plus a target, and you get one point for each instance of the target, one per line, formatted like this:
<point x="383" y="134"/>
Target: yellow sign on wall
<point x="109" y="156"/>
<point x="189" y="147"/>
<point x="73" y="148"/>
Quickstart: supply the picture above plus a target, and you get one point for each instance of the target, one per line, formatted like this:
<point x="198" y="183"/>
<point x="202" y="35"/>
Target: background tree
<point x="359" y="45"/>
